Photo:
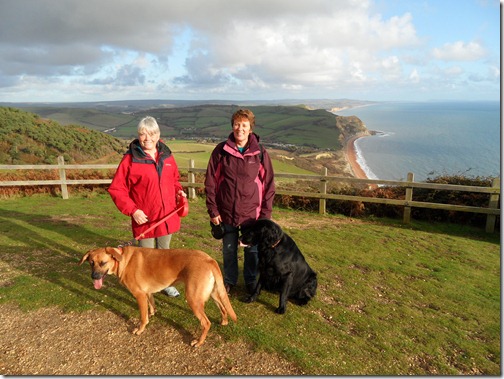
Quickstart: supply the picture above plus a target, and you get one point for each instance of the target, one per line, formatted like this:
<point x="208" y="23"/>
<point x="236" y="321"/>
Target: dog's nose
<point x="96" y="275"/>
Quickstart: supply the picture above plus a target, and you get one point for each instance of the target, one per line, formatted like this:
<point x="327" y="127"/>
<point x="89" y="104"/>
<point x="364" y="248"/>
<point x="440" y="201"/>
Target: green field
<point x="280" y="124"/>
<point x="421" y="299"/>
<point x="183" y="151"/>
<point x="91" y="118"/>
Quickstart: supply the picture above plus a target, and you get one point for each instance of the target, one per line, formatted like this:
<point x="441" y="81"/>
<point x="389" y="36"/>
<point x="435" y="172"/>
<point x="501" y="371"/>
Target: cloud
<point x="460" y="51"/>
<point x="127" y="75"/>
<point x="124" y="24"/>
<point x="296" y="47"/>
<point x="161" y="48"/>
<point x="454" y="71"/>
<point x="414" y="76"/>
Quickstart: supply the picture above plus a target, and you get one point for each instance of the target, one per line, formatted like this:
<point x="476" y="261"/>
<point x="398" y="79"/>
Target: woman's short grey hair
<point x="148" y="125"/>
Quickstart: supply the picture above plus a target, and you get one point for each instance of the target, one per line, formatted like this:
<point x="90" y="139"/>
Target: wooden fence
<point x="492" y="211"/>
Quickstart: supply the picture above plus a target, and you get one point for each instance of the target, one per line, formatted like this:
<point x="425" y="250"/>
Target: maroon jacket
<point x="239" y="187"/>
<point x="141" y="183"/>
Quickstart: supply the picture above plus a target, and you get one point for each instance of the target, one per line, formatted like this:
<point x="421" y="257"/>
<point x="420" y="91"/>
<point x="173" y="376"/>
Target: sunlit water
<point x="429" y="139"/>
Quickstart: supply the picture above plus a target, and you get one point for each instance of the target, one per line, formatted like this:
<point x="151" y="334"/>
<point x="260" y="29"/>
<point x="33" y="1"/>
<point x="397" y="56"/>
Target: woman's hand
<point x="140" y="217"/>
<point x="216" y="220"/>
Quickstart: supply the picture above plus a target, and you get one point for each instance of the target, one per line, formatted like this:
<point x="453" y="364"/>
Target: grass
<point x="392" y="299"/>
<point x="287" y="124"/>
<point x="184" y="150"/>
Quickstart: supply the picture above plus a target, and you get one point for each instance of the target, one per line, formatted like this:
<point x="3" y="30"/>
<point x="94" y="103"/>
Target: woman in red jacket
<point x="146" y="186"/>
<point x="239" y="189"/>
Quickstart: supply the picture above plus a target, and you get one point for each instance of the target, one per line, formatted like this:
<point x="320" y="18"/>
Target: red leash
<point x="182" y="211"/>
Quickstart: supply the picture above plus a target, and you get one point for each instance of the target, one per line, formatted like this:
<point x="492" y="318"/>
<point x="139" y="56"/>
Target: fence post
<point x="62" y="175"/>
<point x="191" y="179"/>
<point x="493" y="203"/>
<point x="408" y="197"/>
<point x="323" y="190"/>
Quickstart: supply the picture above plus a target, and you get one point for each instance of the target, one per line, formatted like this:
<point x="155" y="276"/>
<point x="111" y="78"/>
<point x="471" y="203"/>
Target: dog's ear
<point x="271" y="232"/>
<point x="84" y="258"/>
<point x="116" y="253"/>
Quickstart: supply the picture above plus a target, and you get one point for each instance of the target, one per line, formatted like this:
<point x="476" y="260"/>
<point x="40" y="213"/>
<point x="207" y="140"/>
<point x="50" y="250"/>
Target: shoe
<point x="250" y="288"/>
<point x="171" y="291"/>
<point x="228" y="288"/>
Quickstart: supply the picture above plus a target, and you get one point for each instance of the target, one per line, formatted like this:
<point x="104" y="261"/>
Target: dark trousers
<point x="230" y="257"/>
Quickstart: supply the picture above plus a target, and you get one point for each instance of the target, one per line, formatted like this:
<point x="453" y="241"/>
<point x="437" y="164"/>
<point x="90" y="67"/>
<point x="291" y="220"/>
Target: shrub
<point x="364" y="209"/>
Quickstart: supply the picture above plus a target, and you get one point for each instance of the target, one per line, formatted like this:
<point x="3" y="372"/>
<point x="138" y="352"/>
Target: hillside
<point x="25" y="138"/>
<point x="30" y="138"/>
<point x="286" y="126"/>
<point x="132" y="106"/>
<point x="280" y="126"/>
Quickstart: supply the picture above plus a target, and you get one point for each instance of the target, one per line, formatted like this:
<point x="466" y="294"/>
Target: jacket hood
<point x="136" y="150"/>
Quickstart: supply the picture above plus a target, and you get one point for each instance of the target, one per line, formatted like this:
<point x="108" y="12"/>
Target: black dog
<point x="282" y="266"/>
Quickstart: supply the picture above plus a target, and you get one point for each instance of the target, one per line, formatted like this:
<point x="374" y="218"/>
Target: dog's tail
<point x="220" y="295"/>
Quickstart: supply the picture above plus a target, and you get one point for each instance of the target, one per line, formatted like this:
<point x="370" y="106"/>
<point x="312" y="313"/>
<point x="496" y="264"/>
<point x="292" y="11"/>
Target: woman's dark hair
<point x="243" y="114"/>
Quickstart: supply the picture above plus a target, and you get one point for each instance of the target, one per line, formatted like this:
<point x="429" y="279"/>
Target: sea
<point x="429" y="139"/>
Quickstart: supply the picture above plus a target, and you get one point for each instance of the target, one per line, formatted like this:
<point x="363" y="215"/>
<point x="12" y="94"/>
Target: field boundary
<point x="492" y="211"/>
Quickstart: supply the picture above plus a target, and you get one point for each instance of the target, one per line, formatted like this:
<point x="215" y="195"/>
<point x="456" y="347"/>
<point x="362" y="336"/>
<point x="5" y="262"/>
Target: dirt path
<point x="52" y="342"/>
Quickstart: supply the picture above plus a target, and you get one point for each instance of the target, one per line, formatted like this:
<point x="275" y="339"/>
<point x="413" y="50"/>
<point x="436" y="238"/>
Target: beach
<point x="351" y="156"/>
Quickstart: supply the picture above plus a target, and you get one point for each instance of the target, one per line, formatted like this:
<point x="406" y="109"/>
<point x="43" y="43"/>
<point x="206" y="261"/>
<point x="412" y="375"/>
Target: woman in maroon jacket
<point x="239" y="189"/>
<point x="146" y="186"/>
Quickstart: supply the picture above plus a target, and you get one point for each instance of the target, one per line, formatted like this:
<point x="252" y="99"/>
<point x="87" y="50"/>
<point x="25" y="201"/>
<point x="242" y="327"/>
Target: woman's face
<point x="241" y="131"/>
<point x="148" y="141"/>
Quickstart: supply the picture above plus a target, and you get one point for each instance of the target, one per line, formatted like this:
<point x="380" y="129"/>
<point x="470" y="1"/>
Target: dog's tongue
<point x="98" y="283"/>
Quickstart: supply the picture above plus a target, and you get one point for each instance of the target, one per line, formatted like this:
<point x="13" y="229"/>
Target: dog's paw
<point x="138" y="331"/>
<point x="280" y="310"/>
<point x="196" y="343"/>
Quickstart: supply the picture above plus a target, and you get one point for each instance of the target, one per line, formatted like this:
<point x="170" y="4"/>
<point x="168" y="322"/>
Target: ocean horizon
<point x="429" y="139"/>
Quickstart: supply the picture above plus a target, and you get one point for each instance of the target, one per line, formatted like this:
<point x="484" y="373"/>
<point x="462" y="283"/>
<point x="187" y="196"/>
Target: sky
<point x="377" y="50"/>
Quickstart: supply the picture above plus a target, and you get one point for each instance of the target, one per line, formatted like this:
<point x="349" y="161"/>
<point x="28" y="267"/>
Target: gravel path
<point x="51" y="342"/>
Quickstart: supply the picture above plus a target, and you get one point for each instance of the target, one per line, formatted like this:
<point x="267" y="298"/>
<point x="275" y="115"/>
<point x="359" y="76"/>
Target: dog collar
<point x="276" y="243"/>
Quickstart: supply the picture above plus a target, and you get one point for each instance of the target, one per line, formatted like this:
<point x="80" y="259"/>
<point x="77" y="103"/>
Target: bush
<point x="362" y="209"/>
<point x="455" y="198"/>
<point x="307" y="204"/>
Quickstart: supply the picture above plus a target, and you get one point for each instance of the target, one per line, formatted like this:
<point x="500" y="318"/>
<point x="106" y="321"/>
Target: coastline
<point x="351" y="156"/>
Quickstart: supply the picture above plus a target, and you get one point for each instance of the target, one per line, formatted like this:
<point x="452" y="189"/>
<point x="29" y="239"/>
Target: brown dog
<point x="144" y="271"/>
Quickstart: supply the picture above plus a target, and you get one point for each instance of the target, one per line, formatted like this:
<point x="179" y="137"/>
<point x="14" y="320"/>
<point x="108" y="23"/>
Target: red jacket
<point x="239" y="187"/>
<point x="142" y="183"/>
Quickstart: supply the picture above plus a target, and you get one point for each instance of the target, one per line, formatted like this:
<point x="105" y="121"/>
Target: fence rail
<point x="492" y="211"/>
